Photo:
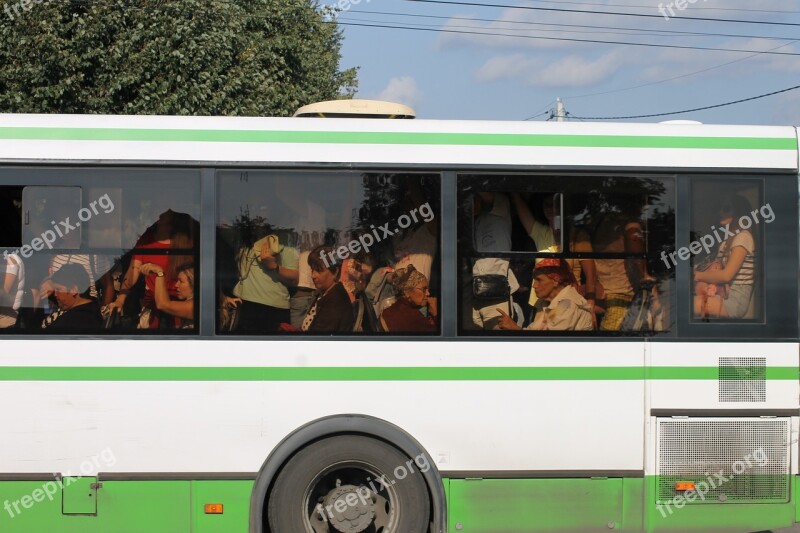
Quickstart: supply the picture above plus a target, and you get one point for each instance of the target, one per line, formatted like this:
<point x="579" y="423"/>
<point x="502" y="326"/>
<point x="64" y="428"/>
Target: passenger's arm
<point x="130" y="279"/>
<point x="287" y="276"/>
<point x="634" y="243"/>
<point x="106" y="283"/>
<point x="179" y="308"/>
<point x="524" y="213"/>
<point x="6" y="298"/>
<point x="725" y="275"/>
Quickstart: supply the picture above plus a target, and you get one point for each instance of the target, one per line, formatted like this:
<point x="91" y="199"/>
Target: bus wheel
<point x="349" y="484"/>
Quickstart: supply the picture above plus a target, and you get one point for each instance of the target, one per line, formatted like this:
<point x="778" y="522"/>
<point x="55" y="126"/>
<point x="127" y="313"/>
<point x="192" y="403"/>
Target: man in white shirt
<point x="567" y="310"/>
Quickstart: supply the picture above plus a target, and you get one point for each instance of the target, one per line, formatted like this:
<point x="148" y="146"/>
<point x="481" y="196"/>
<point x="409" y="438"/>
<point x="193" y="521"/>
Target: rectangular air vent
<point x="741" y="460"/>
<point x="742" y="379"/>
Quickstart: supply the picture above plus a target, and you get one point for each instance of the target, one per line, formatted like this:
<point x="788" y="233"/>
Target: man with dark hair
<point x="77" y="310"/>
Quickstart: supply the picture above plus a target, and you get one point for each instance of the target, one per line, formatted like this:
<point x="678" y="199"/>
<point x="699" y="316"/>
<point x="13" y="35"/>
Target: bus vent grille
<point x="742" y="379"/>
<point x="733" y="460"/>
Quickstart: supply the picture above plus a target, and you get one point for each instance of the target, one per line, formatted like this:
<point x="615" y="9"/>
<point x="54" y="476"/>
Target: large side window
<point x="737" y="257"/>
<point x="560" y="253"/>
<point x="99" y="251"/>
<point x="303" y="253"/>
<point x="726" y="249"/>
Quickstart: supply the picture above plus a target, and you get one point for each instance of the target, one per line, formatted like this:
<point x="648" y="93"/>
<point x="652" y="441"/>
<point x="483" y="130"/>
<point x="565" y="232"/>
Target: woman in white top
<point x="736" y="257"/>
<point x="12" y="286"/>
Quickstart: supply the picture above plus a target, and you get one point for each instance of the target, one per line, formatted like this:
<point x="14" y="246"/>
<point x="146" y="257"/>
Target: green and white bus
<point x="674" y="417"/>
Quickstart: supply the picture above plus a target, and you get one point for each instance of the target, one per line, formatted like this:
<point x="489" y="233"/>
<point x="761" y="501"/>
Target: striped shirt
<point x="746" y="274"/>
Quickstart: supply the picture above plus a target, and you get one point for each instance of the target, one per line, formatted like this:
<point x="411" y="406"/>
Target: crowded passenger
<point x="415" y="310"/>
<point x="172" y="231"/>
<point x="725" y="286"/>
<point x="547" y="237"/>
<point x="492" y="232"/>
<point x="331" y="310"/>
<point x="267" y="270"/>
<point x="12" y="286"/>
<point x="181" y="307"/>
<point x="566" y="309"/>
<point x="76" y="310"/>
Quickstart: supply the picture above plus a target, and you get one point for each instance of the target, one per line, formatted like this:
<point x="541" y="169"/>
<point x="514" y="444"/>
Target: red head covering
<point x="555" y="269"/>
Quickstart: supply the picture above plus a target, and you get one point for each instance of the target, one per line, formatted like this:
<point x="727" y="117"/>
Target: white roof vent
<point x="682" y="122"/>
<point x="355" y="109"/>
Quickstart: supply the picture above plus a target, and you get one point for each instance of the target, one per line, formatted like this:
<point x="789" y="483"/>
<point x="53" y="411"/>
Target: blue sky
<point x="492" y="76"/>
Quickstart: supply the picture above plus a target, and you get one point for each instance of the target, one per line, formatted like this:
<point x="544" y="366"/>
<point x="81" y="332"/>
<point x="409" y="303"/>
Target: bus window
<point x="10" y="217"/>
<point x="102" y="251"/>
<point x="308" y="253"/>
<point x="565" y="253"/>
<point x="726" y="249"/>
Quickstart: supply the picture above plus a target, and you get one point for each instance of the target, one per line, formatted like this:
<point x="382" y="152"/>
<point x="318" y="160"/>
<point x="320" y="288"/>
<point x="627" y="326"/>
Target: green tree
<point x="175" y="57"/>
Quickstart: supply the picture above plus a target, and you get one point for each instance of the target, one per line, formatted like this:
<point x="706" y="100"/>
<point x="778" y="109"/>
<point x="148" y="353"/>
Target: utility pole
<point x="561" y="113"/>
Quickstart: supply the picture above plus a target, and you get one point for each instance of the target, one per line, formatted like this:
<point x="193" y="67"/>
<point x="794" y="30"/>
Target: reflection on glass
<point x="108" y="239"/>
<point x="608" y="232"/>
<point x="291" y="245"/>
<point x="724" y="249"/>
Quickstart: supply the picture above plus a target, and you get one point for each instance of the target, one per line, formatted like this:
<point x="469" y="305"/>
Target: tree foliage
<point x="175" y="57"/>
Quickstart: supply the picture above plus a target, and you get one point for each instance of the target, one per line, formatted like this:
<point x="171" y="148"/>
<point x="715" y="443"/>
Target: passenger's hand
<point x="108" y="309"/>
<point x="232" y="301"/>
<point x="150" y="269"/>
<point x="593" y="312"/>
<point x="267" y="259"/>
<point x="506" y="322"/>
<point x="46" y="289"/>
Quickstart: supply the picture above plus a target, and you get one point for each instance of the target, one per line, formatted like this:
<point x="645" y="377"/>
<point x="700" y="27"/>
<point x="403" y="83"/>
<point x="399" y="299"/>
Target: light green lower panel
<point x="730" y="517"/>
<point x="593" y="505"/>
<point x="557" y="505"/>
<point x="128" y="507"/>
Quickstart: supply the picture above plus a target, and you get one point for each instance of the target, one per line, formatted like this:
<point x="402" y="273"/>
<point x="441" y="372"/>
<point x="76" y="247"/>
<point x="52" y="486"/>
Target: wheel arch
<point x="349" y="424"/>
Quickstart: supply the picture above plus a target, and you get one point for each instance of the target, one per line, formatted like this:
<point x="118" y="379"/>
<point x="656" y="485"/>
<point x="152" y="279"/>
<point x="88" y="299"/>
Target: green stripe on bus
<point x="412" y="138"/>
<point x="374" y="373"/>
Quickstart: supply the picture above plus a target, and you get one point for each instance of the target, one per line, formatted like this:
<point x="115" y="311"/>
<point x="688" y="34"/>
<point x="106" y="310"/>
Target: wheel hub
<point x="349" y="509"/>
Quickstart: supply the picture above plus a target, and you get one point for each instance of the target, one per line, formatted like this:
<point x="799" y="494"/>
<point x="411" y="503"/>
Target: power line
<point x="701" y="71"/>
<point x="612" y="13"/>
<point x="650" y="7"/>
<point x="668" y="33"/>
<point x="652" y="115"/>
<point x="574" y="40"/>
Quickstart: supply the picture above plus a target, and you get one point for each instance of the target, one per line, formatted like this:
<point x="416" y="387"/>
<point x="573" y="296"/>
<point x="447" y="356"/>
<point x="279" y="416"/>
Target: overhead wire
<point x="611" y="13"/>
<point x="653" y="115"/>
<point x="588" y="26"/>
<point x="673" y="78"/>
<point x="743" y="9"/>
<point x="568" y="39"/>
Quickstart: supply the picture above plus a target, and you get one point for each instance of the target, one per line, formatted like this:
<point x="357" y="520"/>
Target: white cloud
<point x="402" y="90"/>
<point x="568" y="71"/>
<point x="788" y="110"/>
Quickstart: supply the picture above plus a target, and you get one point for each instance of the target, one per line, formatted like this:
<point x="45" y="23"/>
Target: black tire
<point x="322" y="472"/>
